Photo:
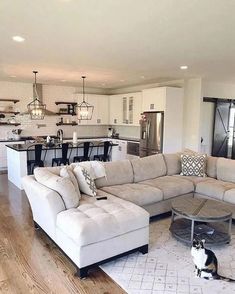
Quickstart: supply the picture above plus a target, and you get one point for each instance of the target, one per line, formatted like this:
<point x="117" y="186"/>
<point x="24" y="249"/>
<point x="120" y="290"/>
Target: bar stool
<point x="64" y="159"/>
<point x="106" y="148"/>
<point x="87" y="149"/>
<point x="37" y="161"/>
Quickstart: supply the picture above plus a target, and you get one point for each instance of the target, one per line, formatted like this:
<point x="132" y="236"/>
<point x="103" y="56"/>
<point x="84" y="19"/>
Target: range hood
<point x="39" y="88"/>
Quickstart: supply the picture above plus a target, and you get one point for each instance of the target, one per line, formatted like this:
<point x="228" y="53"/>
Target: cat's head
<point x="198" y="244"/>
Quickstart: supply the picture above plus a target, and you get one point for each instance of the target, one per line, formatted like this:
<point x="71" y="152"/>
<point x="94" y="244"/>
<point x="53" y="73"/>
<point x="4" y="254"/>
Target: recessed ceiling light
<point x="63" y="80"/>
<point x="103" y="84"/>
<point x="142" y="77"/>
<point x="121" y="80"/>
<point x="184" y="67"/>
<point x="18" y="39"/>
<point x="12" y="76"/>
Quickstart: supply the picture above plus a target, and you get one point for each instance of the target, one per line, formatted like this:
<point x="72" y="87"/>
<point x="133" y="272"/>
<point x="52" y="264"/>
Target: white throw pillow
<point x="85" y="181"/>
<point x="61" y="185"/>
<point x="193" y="165"/>
<point x="67" y="172"/>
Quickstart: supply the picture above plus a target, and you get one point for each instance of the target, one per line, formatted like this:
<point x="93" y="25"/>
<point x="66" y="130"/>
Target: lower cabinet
<point x="119" y="152"/>
<point x="3" y="153"/>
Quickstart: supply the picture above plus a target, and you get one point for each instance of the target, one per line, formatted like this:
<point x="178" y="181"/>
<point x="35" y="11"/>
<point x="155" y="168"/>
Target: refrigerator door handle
<point x="148" y="129"/>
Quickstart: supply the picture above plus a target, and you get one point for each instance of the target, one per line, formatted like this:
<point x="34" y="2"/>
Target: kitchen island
<point x="18" y="154"/>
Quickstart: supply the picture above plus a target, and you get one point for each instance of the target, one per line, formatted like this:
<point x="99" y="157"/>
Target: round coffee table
<point x="203" y="218"/>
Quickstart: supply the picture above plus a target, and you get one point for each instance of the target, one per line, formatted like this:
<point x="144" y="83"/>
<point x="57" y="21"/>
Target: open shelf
<point x="9" y="100"/>
<point x="61" y="113"/>
<point x="10" y="112"/>
<point x="9" y="124"/>
<point x="70" y="108"/>
<point x="70" y="103"/>
<point x="66" y="124"/>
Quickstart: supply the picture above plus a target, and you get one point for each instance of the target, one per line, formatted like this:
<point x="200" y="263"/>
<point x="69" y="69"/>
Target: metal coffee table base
<point x="182" y="228"/>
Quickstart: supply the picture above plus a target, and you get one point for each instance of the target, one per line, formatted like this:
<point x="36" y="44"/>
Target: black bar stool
<point x="37" y="161"/>
<point x="106" y="147"/>
<point x="87" y="149"/>
<point x="64" y="152"/>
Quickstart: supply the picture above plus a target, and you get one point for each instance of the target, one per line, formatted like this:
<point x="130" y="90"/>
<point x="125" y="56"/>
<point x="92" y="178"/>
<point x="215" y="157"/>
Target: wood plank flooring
<point x="30" y="262"/>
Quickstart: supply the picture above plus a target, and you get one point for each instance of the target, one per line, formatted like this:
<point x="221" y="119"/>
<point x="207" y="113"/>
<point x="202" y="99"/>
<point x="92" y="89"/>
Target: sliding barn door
<point x="221" y="129"/>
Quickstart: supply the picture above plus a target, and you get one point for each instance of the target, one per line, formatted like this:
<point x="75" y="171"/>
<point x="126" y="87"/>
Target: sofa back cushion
<point x="62" y="185"/>
<point x="117" y="173"/>
<point x="173" y="164"/>
<point x="226" y="170"/>
<point x="149" y="167"/>
<point x="211" y="167"/>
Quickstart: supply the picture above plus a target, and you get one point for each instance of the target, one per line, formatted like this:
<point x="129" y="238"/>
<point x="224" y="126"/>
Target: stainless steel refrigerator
<point x="151" y="133"/>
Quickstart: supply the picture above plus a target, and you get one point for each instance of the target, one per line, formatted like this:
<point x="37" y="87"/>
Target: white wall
<point x="24" y="92"/>
<point x="218" y="90"/>
<point x="192" y="114"/>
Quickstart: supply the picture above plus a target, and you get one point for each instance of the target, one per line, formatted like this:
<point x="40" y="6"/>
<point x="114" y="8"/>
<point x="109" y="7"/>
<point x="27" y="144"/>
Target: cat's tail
<point x="219" y="277"/>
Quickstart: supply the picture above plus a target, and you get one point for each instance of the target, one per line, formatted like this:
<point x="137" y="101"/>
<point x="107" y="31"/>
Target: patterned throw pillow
<point x="85" y="181"/>
<point x="193" y="165"/>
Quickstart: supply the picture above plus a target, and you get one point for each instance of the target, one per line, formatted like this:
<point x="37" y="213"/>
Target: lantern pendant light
<point x="36" y="108"/>
<point x="84" y="109"/>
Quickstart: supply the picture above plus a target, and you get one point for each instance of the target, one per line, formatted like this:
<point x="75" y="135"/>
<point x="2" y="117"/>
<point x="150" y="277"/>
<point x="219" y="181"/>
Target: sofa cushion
<point x="193" y="179"/>
<point x="214" y="188"/>
<point x="211" y="167"/>
<point x="95" y="221"/>
<point x="171" y="186"/>
<point x="149" y="167"/>
<point x="193" y="165"/>
<point x="117" y="173"/>
<point x="226" y="169"/>
<point x="61" y="185"/>
<point x="173" y="163"/>
<point x="229" y="196"/>
<point x="67" y="172"/>
<point x="137" y="193"/>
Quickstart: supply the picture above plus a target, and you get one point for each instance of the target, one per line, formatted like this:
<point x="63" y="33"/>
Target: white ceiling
<point x="117" y="42"/>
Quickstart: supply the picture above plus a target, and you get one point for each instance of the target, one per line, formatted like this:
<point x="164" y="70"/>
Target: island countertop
<point x="25" y="147"/>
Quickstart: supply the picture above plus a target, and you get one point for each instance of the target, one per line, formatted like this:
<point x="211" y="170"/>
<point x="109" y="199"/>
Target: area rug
<point x="168" y="267"/>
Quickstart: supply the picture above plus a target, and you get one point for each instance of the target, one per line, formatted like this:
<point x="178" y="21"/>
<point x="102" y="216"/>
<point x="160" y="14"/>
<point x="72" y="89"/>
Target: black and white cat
<point x="206" y="264"/>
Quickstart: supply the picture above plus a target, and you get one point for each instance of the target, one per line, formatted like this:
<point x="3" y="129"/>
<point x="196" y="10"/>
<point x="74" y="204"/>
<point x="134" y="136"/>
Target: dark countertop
<point x="24" y="147"/>
<point x="70" y="138"/>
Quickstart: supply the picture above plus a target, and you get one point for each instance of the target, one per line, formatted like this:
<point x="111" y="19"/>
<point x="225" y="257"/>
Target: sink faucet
<point x="60" y="134"/>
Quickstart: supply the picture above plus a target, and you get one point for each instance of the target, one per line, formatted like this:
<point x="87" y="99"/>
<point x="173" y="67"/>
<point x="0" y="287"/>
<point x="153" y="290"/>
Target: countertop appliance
<point x="151" y="133"/>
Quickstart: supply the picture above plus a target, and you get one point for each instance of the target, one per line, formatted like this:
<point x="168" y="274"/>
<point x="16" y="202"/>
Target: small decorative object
<point x="36" y="108"/>
<point x="84" y="109"/>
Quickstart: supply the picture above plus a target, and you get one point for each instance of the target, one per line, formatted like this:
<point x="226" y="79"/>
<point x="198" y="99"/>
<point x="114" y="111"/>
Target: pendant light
<point x="84" y="109"/>
<point x="36" y="108"/>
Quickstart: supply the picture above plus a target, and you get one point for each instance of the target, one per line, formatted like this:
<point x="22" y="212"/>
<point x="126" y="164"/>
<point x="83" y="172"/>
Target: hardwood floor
<point x="29" y="261"/>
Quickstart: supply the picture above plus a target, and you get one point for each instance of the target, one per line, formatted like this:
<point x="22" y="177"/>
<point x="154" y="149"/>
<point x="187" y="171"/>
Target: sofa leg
<point x="144" y="249"/>
<point x="36" y="226"/>
<point x="82" y="272"/>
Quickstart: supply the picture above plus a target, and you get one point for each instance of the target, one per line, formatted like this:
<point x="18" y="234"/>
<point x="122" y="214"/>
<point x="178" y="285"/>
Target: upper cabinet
<point x="169" y="100"/>
<point x="101" y="109"/>
<point x="154" y="99"/>
<point x="125" y="109"/>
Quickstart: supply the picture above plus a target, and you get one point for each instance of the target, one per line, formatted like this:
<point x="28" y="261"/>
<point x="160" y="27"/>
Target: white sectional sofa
<point x="98" y="230"/>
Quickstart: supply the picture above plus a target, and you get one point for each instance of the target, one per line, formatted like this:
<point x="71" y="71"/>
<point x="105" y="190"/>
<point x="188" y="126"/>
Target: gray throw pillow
<point x="193" y="165"/>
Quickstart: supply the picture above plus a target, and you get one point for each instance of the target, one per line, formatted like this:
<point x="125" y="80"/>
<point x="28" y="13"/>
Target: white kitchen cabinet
<point x="154" y="99"/>
<point x="125" y="109"/>
<point x="170" y="101"/>
<point x="3" y="153"/>
<point x="119" y="152"/>
<point x="115" y="110"/>
<point x="101" y="109"/>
